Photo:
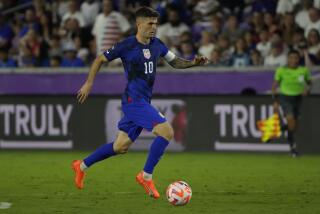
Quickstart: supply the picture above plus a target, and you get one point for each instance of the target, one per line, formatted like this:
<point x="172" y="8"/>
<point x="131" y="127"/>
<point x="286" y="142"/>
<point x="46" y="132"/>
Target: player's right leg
<point x="120" y="146"/>
<point x="291" y="129"/>
<point x="164" y="134"/>
<point x="288" y="105"/>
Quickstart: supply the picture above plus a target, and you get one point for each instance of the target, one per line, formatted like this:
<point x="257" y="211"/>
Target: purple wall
<point x="230" y="82"/>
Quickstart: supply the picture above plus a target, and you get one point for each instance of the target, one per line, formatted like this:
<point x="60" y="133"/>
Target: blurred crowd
<point x="237" y="33"/>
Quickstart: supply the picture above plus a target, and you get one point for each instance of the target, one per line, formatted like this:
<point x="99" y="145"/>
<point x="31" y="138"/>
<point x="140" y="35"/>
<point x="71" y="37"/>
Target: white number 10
<point x="148" y="67"/>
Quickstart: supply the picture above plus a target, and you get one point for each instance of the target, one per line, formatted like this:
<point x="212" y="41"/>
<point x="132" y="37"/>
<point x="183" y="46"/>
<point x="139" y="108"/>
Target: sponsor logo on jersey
<point x="146" y="53"/>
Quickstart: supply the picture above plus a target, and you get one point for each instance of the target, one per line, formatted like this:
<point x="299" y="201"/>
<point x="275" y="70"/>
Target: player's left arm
<point x="180" y="63"/>
<point x="308" y="81"/>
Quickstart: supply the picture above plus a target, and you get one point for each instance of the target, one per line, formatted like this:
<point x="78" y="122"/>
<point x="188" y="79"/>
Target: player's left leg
<point x="292" y="120"/>
<point x="164" y="133"/>
<point x="291" y="107"/>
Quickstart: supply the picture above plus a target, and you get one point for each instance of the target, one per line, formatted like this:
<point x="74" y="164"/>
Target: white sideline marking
<point x="233" y="146"/>
<point x="5" y="205"/>
<point x="7" y="144"/>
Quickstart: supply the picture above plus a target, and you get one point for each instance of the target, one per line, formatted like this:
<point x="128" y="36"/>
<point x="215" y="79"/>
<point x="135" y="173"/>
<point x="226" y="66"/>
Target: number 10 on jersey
<point x="148" y="67"/>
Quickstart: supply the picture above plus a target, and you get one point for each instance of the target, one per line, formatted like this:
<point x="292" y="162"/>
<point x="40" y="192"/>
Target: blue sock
<point x="156" y="151"/>
<point x="103" y="152"/>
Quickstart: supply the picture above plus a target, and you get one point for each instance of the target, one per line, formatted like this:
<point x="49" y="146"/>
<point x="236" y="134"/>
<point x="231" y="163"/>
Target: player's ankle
<point x="83" y="166"/>
<point x="147" y="176"/>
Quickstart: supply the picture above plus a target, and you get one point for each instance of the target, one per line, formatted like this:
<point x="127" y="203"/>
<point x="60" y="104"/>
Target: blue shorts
<point x="139" y="115"/>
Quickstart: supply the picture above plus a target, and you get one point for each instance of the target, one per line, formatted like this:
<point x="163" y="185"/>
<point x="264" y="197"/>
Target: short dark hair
<point x="146" y="12"/>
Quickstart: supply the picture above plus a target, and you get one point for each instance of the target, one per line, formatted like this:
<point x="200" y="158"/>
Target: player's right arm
<point x="86" y="87"/>
<point x="275" y="85"/>
<point x="308" y="81"/>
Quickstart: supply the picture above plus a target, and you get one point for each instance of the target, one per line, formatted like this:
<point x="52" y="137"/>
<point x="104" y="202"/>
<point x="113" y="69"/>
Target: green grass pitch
<point x="222" y="183"/>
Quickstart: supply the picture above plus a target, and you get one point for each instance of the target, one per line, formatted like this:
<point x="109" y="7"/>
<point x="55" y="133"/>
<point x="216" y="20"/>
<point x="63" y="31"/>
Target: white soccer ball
<point x="179" y="193"/>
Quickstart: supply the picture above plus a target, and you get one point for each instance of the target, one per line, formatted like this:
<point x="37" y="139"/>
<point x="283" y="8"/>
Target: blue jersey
<point x="139" y="62"/>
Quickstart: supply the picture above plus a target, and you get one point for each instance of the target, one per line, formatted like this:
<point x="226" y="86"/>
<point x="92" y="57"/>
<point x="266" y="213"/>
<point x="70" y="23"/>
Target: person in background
<point x="288" y="27"/>
<point x="302" y="17"/>
<point x="264" y="46"/>
<point x="314" y="16"/>
<point x="277" y="57"/>
<point x="255" y="58"/>
<point x="187" y="50"/>
<point x="55" y="47"/>
<point x="232" y="30"/>
<point x="74" y="13"/>
<point x="206" y="45"/>
<point x="6" y="32"/>
<point x="37" y="47"/>
<point x="109" y="27"/>
<point x="294" y="82"/>
<point x="55" y="61"/>
<point x="5" y="60"/>
<point x="172" y="30"/>
<point x="240" y="57"/>
<point x="250" y="39"/>
<point x="70" y="58"/>
<point x="270" y="22"/>
<point x="216" y="59"/>
<point x="82" y="52"/>
<point x="90" y="10"/>
<point x="226" y="50"/>
<point x="313" y="41"/>
<point x="297" y="38"/>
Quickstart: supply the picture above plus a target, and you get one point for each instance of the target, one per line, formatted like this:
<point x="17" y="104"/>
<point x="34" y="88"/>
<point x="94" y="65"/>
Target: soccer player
<point x="294" y="82"/>
<point x="139" y="55"/>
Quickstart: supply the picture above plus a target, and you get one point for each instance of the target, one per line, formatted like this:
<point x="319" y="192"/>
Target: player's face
<point x="293" y="60"/>
<point x="147" y="26"/>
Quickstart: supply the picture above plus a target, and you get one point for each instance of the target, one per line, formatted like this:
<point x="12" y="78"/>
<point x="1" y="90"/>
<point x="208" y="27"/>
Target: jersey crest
<point x="146" y="53"/>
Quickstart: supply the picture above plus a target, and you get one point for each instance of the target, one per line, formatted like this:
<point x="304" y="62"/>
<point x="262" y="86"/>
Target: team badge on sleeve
<point x="146" y="53"/>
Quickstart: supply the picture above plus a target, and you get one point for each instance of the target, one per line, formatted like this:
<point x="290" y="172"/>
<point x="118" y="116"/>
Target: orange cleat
<point x="79" y="175"/>
<point x="148" y="186"/>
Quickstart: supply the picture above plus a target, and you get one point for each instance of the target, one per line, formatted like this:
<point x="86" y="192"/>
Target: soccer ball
<point x="179" y="193"/>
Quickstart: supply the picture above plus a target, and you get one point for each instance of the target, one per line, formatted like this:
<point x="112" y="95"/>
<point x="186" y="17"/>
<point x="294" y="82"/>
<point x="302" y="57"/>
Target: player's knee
<point x="170" y="133"/>
<point x="291" y="123"/>
<point x="291" y="126"/>
<point x="167" y="133"/>
<point x="120" y="148"/>
<point x="164" y="130"/>
<point x="123" y="150"/>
